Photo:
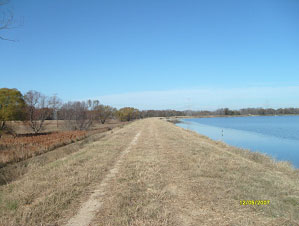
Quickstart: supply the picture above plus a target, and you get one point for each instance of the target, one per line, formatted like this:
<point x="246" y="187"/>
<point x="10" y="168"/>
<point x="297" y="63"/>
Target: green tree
<point x="12" y="107"/>
<point x="128" y="114"/>
<point x="104" y="112"/>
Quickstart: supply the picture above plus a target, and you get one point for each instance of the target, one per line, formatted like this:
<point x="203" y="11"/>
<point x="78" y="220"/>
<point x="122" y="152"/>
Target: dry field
<point x="57" y="125"/>
<point x="27" y="145"/>
<point x="14" y="149"/>
<point x="151" y="172"/>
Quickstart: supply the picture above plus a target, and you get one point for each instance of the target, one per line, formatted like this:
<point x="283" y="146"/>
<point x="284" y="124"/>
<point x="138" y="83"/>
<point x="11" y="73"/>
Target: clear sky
<point x="156" y="54"/>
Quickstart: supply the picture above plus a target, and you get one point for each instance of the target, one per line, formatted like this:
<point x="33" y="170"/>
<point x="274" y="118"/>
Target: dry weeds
<point x="178" y="177"/>
<point x="15" y="149"/>
<point x="27" y="145"/>
<point x="48" y="194"/>
<point x="170" y="177"/>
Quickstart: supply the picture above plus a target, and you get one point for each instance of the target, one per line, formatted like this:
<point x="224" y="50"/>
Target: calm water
<point x="277" y="136"/>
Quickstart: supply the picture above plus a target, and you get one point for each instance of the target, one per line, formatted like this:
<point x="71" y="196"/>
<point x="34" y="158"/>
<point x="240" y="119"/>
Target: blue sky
<point x="156" y="54"/>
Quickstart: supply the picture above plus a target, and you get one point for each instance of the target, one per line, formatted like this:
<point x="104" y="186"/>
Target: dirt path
<point x="94" y="203"/>
<point x="153" y="173"/>
<point x="176" y="177"/>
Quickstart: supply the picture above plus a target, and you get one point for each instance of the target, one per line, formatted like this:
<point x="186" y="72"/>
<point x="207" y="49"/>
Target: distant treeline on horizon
<point x="34" y="108"/>
<point x="222" y="111"/>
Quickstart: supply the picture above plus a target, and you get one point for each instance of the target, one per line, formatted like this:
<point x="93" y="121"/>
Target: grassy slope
<point x="170" y="177"/>
<point x="51" y="192"/>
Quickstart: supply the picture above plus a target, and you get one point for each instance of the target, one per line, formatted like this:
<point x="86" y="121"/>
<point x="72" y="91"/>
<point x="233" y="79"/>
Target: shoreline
<point x="164" y="174"/>
<point x="260" y="150"/>
<point x="228" y="116"/>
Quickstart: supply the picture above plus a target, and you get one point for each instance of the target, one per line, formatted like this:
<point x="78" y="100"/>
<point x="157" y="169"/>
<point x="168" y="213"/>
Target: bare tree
<point x="55" y="103"/>
<point x="38" y="110"/>
<point x="79" y="115"/>
<point x="6" y="20"/>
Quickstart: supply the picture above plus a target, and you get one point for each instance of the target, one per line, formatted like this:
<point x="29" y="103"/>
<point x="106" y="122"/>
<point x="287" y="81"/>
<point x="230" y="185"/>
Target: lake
<point x="277" y="136"/>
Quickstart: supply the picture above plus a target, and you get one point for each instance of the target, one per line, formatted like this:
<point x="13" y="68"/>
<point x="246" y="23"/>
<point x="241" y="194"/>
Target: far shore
<point x="228" y="116"/>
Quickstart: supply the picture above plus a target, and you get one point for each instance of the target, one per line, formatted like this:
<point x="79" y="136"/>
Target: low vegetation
<point x="171" y="176"/>
<point x="178" y="177"/>
<point x="14" y="149"/>
<point x="54" y="184"/>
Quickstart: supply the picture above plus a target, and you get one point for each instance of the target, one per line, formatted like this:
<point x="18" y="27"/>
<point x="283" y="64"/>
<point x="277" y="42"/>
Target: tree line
<point x="244" y="111"/>
<point x="33" y="108"/>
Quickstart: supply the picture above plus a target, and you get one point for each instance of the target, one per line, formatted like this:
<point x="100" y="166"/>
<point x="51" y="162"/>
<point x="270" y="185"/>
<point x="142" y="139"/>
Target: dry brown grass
<point x="27" y="145"/>
<point x="16" y="170"/>
<point x="177" y="177"/>
<point x="49" y="192"/>
<point x="170" y="177"/>
<point x="140" y="195"/>
<point x="15" y="149"/>
<point x="56" y="126"/>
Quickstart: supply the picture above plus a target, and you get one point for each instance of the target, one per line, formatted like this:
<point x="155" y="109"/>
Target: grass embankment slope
<point x="26" y="144"/>
<point x="169" y="176"/>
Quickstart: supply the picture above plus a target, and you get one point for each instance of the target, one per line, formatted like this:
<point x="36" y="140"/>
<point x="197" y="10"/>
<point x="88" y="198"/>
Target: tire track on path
<point x="88" y="209"/>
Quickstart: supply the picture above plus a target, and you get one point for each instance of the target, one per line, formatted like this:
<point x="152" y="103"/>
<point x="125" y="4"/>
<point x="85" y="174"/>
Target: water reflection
<point x="279" y="148"/>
